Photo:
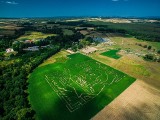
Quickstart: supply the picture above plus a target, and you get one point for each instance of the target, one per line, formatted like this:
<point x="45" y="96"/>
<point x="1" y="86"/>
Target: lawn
<point x="67" y="32"/>
<point x="111" y="54"/>
<point x="34" y="36"/>
<point x="76" y="89"/>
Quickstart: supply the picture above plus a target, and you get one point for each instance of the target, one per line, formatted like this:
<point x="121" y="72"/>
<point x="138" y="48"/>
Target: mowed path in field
<point x="138" y="102"/>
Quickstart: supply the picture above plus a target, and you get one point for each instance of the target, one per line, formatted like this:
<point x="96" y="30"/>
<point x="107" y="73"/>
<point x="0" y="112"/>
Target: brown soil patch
<point x="139" y="102"/>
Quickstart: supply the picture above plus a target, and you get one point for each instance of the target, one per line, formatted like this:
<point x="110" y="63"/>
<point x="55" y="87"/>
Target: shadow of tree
<point x="59" y="110"/>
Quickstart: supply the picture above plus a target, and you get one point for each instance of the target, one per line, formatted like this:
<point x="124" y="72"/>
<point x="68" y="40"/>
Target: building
<point x="99" y="39"/>
<point x="89" y="50"/>
<point x="34" y="48"/>
<point x="9" y="50"/>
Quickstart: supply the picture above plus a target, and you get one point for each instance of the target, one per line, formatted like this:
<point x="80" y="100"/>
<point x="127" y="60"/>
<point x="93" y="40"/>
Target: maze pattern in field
<point x="78" y="82"/>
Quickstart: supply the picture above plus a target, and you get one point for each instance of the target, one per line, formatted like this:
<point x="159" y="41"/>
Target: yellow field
<point x="60" y="56"/>
<point x="34" y="35"/>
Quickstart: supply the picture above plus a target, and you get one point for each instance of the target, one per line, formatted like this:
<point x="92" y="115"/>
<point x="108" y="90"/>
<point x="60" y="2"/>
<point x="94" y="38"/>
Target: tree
<point x="149" y="57"/>
<point x="25" y="114"/>
<point x="149" y="47"/>
<point x="74" y="48"/>
<point x="84" y="43"/>
<point x="145" y="46"/>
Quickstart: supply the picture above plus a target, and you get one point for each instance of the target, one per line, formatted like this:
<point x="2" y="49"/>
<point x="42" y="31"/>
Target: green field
<point x="76" y="89"/>
<point x="67" y="32"/>
<point x="34" y="36"/>
<point x="111" y="54"/>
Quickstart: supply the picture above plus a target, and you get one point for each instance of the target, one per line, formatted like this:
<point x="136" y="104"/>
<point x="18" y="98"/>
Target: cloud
<point x="11" y="2"/>
<point x="115" y="0"/>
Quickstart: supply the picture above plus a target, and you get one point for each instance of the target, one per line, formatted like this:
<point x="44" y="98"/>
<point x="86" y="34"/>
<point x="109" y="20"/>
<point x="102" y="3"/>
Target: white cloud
<point x="11" y="2"/>
<point x="115" y="0"/>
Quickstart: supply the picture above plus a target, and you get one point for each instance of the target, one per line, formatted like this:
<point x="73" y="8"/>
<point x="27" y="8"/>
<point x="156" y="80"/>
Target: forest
<point x="143" y="31"/>
<point x="14" y="70"/>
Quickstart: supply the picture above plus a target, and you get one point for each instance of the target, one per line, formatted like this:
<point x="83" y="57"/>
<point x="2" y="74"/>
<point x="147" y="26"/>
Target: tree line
<point x="14" y="103"/>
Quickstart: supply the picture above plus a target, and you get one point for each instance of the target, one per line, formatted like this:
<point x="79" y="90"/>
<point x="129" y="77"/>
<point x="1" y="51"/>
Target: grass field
<point x="67" y="32"/>
<point x="64" y="91"/>
<point x="34" y="35"/>
<point x="111" y="54"/>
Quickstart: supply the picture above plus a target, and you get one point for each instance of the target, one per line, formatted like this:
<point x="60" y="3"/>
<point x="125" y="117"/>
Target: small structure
<point x="89" y="50"/>
<point x="70" y="51"/>
<point x="99" y="39"/>
<point x="34" y="48"/>
<point x="46" y="46"/>
<point x="9" y="50"/>
<point x="28" y="41"/>
<point x="90" y="28"/>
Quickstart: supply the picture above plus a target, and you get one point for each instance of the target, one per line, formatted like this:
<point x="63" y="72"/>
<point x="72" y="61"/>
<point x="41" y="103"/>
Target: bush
<point x="145" y="46"/>
<point x="149" y="57"/>
<point x="149" y="47"/>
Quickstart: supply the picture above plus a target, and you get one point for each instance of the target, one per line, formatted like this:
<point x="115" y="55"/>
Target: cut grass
<point x="67" y="32"/>
<point x="34" y="36"/>
<point x="111" y="54"/>
<point x="59" y="57"/>
<point x="75" y="89"/>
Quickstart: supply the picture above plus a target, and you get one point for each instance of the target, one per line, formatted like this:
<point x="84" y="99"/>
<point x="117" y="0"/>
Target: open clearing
<point x="67" y="32"/>
<point x="63" y="90"/>
<point x="111" y="54"/>
<point x="34" y="36"/>
<point x="59" y="57"/>
<point x="138" y="102"/>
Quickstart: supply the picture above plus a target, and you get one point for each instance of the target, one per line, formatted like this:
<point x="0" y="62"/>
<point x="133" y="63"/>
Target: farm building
<point x="34" y="48"/>
<point x="28" y="41"/>
<point x="84" y="28"/>
<point x="9" y="50"/>
<point x="99" y="39"/>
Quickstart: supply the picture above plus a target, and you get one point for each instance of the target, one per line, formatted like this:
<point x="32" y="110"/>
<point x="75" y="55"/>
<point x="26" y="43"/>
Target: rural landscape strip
<point x="75" y="90"/>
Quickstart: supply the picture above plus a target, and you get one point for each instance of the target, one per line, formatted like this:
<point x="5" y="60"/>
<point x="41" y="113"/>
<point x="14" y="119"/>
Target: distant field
<point x="112" y="54"/>
<point x="34" y="35"/>
<point x="67" y="32"/>
<point x="6" y="32"/>
<point x="64" y="91"/>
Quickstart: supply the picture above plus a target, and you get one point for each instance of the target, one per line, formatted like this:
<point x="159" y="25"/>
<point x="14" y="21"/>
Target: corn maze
<point x="80" y="82"/>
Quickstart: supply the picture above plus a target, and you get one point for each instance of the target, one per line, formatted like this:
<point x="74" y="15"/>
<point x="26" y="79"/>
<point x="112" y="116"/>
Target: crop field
<point x="75" y="89"/>
<point x="112" y="54"/>
<point x="67" y="32"/>
<point x="34" y="35"/>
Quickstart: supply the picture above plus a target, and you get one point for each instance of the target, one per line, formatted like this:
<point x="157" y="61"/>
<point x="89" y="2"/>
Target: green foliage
<point x="144" y="31"/>
<point x="67" y="32"/>
<point x="149" y="47"/>
<point x="74" y="48"/>
<point x="151" y="57"/>
<point x="84" y="42"/>
<point x="13" y="83"/>
<point x="145" y="46"/>
<point x="25" y="114"/>
<point x="68" y="81"/>
<point x="112" y="54"/>
<point x="15" y="70"/>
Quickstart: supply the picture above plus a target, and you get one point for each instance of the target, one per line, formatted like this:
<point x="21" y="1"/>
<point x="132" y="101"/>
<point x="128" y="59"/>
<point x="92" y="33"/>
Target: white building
<point x="8" y="50"/>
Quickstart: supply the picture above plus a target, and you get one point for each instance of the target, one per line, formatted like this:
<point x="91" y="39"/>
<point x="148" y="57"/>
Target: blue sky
<point x="51" y="8"/>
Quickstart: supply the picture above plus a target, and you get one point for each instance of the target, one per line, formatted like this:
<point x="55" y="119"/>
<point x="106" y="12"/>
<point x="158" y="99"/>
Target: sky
<point x="54" y="8"/>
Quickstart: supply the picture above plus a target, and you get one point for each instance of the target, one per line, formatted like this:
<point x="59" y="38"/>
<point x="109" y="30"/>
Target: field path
<point x="138" y="102"/>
